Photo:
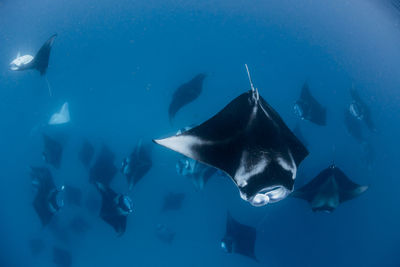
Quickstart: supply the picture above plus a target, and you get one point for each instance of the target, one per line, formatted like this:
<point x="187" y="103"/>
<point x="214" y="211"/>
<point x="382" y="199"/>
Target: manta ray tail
<point x="255" y="90"/>
<point x="48" y="86"/>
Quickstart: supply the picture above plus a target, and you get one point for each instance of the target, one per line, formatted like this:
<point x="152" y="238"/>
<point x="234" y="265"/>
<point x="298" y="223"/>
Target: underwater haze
<point x="118" y="63"/>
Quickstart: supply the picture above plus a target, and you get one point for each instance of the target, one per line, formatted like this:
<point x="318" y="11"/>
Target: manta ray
<point x="329" y="189"/>
<point x="47" y="201"/>
<point x="52" y="151"/>
<point x="308" y="108"/>
<point x="138" y="164"/>
<point x="115" y="208"/>
<point x="60" y="117"/>
<point x="250" y="142"/>
<point x="239" y="238"/>
<point x="185" y="94"/>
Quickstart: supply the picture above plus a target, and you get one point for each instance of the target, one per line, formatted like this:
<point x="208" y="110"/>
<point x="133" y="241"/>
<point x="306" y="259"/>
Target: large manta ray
<point x="329" y="189"/>
<point x="250" y="142"/>
<point x="185" y="94"/>
<point x="360" y="110"/>
<point x="137" y="164"/>
<point x="239" y="238"/>
<point x="103" y="170"/>
<point x="46" y="202"/>
<point x="308" y="108"/>
<point x="115" y="208"/>
<point x="52" y="151"/>
<point x="40" y="62"/>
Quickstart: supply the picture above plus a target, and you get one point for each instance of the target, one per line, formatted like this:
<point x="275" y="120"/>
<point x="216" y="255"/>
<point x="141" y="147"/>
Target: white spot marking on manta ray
<point x="60" y="117"/>
<point x="289" y="166"/>
<point x="243" y="174"/>
<point x="183" y="144"/>
<point x="20" y="61"/>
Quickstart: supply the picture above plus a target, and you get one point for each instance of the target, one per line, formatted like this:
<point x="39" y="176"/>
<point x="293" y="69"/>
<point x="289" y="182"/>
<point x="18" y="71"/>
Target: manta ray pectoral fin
<point x="344" y="196"/>
<point x="184" y="144"/>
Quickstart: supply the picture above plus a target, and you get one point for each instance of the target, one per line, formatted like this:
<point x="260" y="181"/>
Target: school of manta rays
<point x="246" y="140"/>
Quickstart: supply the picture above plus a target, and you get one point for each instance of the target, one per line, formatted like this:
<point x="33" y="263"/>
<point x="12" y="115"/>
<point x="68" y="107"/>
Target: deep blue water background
<point x="117" y="63"/>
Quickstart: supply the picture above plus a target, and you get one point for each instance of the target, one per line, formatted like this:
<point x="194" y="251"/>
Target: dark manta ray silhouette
<point x="353" y="126"/>
<point x="103" y="170"/>
<point x="308" y="108"/>
<point x="185" y="94"/>
<point x="360" y="110"/>
<point x="173" y="201"/>
<point x="46" y="202"/>
<point x="40" y="62"/>
<point x="250" y="142"/>
<point x="52" y="151"/>
<point x="137" y="164"/>
<point x="239" y="238"/>
<point x="115" y="208"/>
<point x="329" y="189"/>
<point x="198" y="172"/>
<point x="86" y="153"/>
<point x="164" y="233"/>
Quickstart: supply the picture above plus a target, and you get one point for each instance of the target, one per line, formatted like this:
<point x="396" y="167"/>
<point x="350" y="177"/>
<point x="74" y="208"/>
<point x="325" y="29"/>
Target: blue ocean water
<point x="117" y="63"/>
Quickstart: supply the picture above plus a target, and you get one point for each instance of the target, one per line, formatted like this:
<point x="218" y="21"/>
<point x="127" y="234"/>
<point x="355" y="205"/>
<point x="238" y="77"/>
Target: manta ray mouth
<point x="269" y="195"/>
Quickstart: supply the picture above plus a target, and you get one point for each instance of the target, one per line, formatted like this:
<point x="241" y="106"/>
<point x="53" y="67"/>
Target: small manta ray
<point x="86" y="153"/>
<point x="239" y="238"/>
<point x="60" y="117"/>
<point x="164" y="233"/>
<point x="61" y="257"/>
<point x="48" y="198"/>
<point x="103" y="170"/>
<point x="198" y="172"/>
<point x="137" y="164"/>
<point x="40" y="62"/>
<point x="115" y="208"/>
<point x="308" y="108"/>
<point x="353" y="126"/>
<point x="185" y="94"/>
<point x="52" y="151"/>
<point x="173" y="201"/>
<point x="360" y="111"/>
<point x="329" y="189"/>
<point x="249" y="141"/>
